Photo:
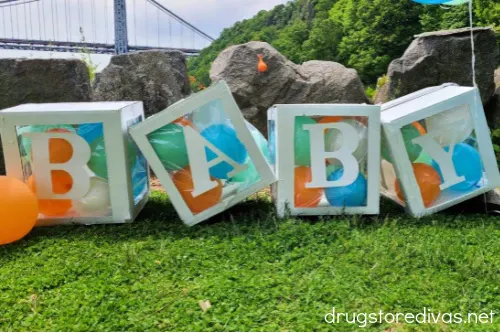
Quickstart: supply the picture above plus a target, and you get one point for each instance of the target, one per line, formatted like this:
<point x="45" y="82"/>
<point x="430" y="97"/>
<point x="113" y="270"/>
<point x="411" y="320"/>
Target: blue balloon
<point x="353" y="195"/>
<point x="139" y="177"/>
<point x="90" y="132"/>
<point x="225" y="139"/>
<point x="272" y="142"/>
<point x="467" y="163"/>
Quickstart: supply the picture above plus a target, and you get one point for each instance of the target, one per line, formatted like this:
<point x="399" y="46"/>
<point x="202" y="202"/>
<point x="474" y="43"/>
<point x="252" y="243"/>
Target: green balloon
<point x="98" y="157"/>
<point x="169" y="144"/>
<point x="424" y="158"/>
<point x="409" y="133"/>
<point x="249" y="175"/>
<point x="302" y="142"/>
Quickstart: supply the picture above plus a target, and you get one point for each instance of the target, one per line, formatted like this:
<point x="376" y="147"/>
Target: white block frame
<point x="445" y="97"/>
<point x="113" y="116"/>
<point x="182" y="108"/>
<point x="284" y="118"/>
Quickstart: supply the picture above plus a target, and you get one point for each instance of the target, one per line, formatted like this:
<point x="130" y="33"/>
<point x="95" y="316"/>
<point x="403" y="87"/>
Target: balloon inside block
<point x="80" y="164"/>
<point x="436" y="149"/>
<point x="207" y="157"/>
<point x="330" y="163"/>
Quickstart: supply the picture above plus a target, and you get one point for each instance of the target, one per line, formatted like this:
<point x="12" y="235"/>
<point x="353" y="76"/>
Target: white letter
<point x="344" y="154"/>
<point x="76" y="166"/>
<point x="196" y="144"/>
<point x="442" y="157"/>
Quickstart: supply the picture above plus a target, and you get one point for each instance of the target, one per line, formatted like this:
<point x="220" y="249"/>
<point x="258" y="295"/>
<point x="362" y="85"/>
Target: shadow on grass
<point x="254" y="216"/>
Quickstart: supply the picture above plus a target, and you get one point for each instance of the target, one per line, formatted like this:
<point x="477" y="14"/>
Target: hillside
<point x="362" y="34"/>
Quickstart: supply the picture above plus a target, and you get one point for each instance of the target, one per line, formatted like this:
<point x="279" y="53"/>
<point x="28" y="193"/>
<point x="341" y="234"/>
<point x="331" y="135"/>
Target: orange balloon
<point x="183" y="180"/>
<point x="428" y="180"/>
<point x="18" y="210"/>
<point x="62" y="182"/>
<point x="330" y="119"/>
<point x="184" y="122"/>
<point x="305" y="197"/>
<point x="361" y="119"/>
<point x="420" y="128"/>
<point x="262" y="66"/>
<point x="60" y="150"/>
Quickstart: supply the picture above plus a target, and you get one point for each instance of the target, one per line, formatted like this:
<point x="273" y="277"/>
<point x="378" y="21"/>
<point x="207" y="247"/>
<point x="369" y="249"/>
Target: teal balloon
<point x="25" y="143"/>
<point x="98" y="162"/>
<point x="424" y="158"/>
<point x="409" y="133"/>
<point x="248" y="176"/>
<point x="456" y="2"/>
<point x="302" y="141"/>
<point x="260" y="140"/>
<point x="170" y="145"/>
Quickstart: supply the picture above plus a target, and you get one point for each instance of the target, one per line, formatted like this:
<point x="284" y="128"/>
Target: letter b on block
<point x="329" y="163"/>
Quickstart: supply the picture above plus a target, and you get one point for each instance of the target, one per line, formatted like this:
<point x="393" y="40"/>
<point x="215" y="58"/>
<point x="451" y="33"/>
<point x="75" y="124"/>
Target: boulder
<point x="284" y="82"/>
<point x="42" y="81"/>
<point x="439" y="57"/>
<point x="158" y="78"/>
<point x="493" y="107"/>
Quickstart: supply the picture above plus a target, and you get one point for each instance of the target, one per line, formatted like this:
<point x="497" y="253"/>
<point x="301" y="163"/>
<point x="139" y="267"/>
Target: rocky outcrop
<point x="158" y="78"/>
<point x="440" y="57"/>
<point x="284" y="82"/>
<point x="42" y="81"/>
<point x="493" y="106"/>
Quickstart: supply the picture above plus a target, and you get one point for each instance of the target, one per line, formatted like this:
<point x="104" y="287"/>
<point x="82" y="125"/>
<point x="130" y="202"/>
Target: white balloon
<point x="334" y="141"/>
<point x="462" y="128"/>
<point x="97" y="202"/>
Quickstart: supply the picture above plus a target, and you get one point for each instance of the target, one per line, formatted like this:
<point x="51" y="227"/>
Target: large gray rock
<point x="284" y="82"/>
<point x="493" y="107"/>
<point x="42" y="81"/>
<point x="158" y="78"/>
<point x="440" y="57"/>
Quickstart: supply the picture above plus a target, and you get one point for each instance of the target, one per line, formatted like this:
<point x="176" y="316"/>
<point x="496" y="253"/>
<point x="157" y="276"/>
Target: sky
<point x="72" y="20"/>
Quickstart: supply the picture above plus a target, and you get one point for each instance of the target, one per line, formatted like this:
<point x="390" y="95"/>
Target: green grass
<point x="258" y="272"/>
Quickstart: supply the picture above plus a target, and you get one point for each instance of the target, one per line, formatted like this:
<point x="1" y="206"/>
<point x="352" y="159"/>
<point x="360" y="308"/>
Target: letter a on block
<point x="344" y="154"/>
<point x="76" y="166"/>
<point x="199" y="165"/>
<point x="442" y="157"/>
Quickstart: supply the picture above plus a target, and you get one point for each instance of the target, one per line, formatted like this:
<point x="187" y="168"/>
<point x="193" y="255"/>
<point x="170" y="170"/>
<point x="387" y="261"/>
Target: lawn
<point x="258" y="272"/>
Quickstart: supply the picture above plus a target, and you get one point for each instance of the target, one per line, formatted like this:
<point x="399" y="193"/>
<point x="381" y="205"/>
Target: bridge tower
<point x="121" y="34"/>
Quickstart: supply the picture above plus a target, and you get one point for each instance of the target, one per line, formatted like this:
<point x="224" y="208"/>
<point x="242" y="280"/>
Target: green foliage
<point x="495" y="137"/>
<point x="259" y="273"/>
<point x="87" y="58"/>
<point x="363" y="34"/>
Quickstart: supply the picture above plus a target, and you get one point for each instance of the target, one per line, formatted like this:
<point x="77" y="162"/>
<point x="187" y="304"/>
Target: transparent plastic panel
<point x="348" y="169"/>
<point x="58" y="197"/>
<point x="139" y="166"/>
<point x="445" y="158"/>
<point x="214" y="145"/>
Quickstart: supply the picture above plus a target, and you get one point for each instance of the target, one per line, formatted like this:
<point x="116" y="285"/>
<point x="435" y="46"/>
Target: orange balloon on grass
<point x="428" y="180"/>
<point x="305" y="197"/>
<point x="18" y="210"/>
<point x="183" y="180"/>
<point x="60" y="150"/>
<point x="62" y="183"/>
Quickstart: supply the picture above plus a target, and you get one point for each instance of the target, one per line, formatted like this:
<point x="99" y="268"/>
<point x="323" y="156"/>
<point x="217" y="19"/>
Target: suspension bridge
<point x="96" y="26"/>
